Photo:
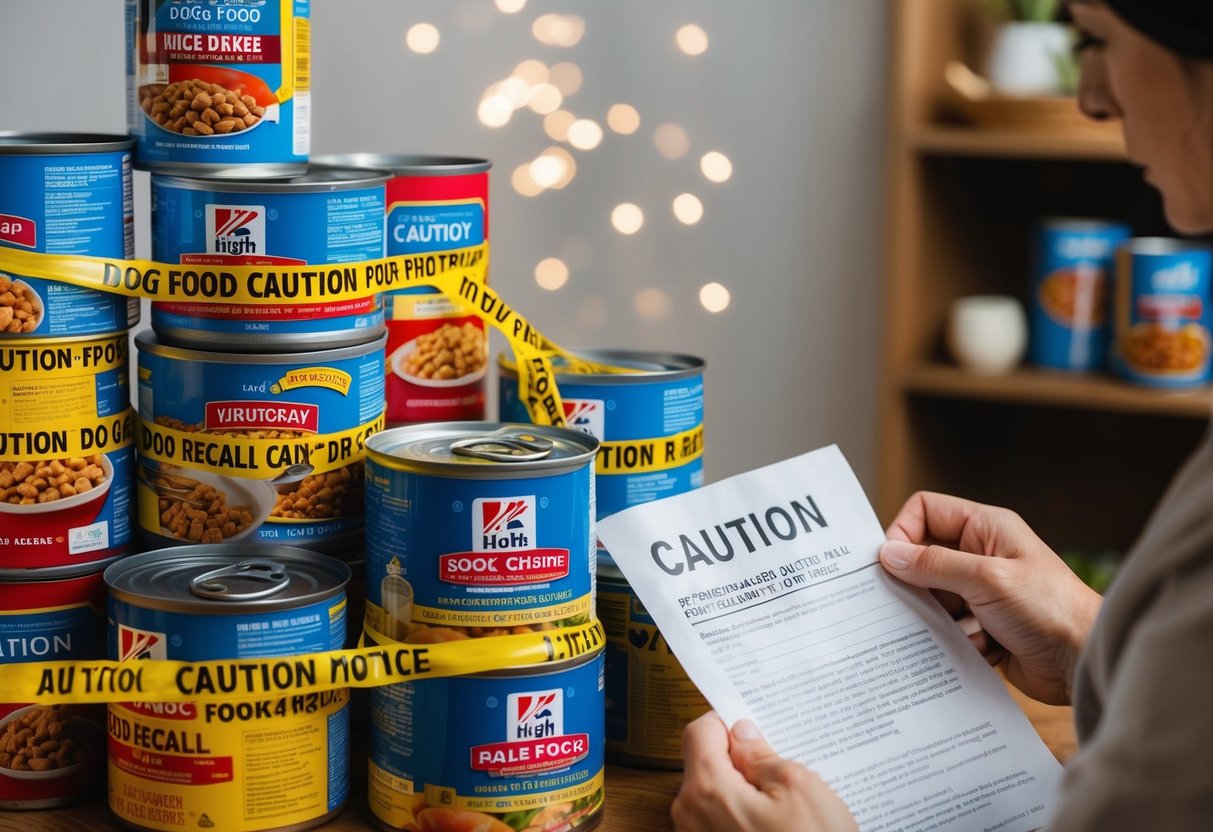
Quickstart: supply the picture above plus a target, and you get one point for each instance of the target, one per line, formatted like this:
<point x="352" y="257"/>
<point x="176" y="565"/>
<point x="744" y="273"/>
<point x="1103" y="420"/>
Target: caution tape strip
<point x="75" y="438"/>
<point x="642" y="456"/>
<point x="385" y="662"/>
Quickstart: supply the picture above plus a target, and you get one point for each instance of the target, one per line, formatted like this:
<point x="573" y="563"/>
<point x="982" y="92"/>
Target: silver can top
<point x="317" y="179"/>
<point x="482" y="450"/>
<point x="646" y="367"/>
<point x="47" y="144"/>
<point x="408" y="164"/>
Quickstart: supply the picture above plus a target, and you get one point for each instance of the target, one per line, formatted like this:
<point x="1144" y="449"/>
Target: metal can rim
<point x="408" y="164"/>
<point x="1080" y="224"/>
<point x="147" y="341"/>
<point x="1163" y="245"/>
<point x="15" y="143"/>
<point x="671" y="366"/>
<point x="383" y="456"/>
<point x="315" y="179"/>
<point x="68" y="572"/>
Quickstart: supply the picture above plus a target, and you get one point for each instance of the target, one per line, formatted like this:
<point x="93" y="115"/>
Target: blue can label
<point x="480" y="751"/>
<point x="70" y="203"/>
<point x="219" y="83"/>
<point x="1071" y="293"/>
<point x="212" y="227"/>
<point x="275" y="448"/>
<point x="1163" y="319"/>
<point x="450" y="558"/>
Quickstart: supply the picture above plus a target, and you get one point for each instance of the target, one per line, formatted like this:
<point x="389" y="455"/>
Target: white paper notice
<point x="769" y="589"/>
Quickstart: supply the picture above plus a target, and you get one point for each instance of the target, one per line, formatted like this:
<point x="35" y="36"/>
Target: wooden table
<point x="637" y="801"/>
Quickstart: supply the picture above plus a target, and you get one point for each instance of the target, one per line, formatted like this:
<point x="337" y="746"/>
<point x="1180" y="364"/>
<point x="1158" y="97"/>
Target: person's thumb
<point x="753" y="756"/>
<point x="933" y="567"/>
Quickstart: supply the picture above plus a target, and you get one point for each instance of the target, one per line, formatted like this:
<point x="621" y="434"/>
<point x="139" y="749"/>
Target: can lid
<point x="647" y="366"/>
<point x="1165" y="245"/>
<point x="226" y="578"/>
<point x="482" y="450"/>
<point x="35" y="144"/>
<point x="317" y="179"/>
<point x="148" y="342"/>
<point x="408" y="164"/>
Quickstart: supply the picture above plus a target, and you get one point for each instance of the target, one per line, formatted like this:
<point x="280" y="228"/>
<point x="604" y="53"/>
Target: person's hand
<point x="1013" y="596"/>
<point x="735" y="782"/>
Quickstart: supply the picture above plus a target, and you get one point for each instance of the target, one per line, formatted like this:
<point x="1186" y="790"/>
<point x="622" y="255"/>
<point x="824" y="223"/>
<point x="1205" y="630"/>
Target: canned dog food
<point x="273" y="763"/>
<point x="1162" y="316"/>
<point x="255" y="448"/>
<point x="517" y="750"/>
<point x="649" y="699"/>
<point x="51" y="755"/>
<point x="478" y="529"/>
<point x="326" y="217"/>
<point x="437" y="353"/>
<point x="649" y="421"/>
<point x="67" y="455"/>
<point x="219" y="88"/>
<point x="64" y="193"/>
<point x="1073" y="261"/>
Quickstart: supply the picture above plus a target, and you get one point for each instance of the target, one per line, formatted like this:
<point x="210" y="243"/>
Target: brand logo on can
<point x="18" y="230"/>
<point x="587" y="416"/>
<point x="235" y="230"/>
<point x="1182" y="277"/>
<point x="503" y="523"/>
<point x="237" y="415"/>
<point x="141" y="644"/>
<point x="535" y="738"/>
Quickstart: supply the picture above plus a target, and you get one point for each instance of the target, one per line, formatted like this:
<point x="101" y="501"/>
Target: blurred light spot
<point x="547" y="170"/>
<point x="516" y="91"/>
<point x="523" y="182"/>
<point x="568" y="165"/>
<point x="558" y="29"/>
<point x="623" y="118"/>
<point x="422" y="38"/>
<point x="691" y="39"/>
<point x="557" y="124"/>
<point x="716" y="166"/>
<point x="592" y="312"/>
<point x="585" y="134"/>
<point x="652" y="303"/>
<point x="551" y="273"/>
<point x="495" y="110"/>
<point x="714" y="297"/>
<point x="566" y="77"/>
<point x="671" y="141"/>
<point x="545" y="99"/>
<point x="532" y="71"/>
<point x="509" y="6"/>
<point x="577" y="252"/>
<point x="688" y="209"/>
<point x="627" y="218"/>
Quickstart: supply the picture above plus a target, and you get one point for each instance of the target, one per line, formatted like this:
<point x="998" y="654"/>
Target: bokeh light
<point x="688" y="209"/>
<point x="545" y="98"/>
<point x="565" y="77"/>
<point x="509" y="6"/>
<point x="513" y="89"/>
<point x="652" y="303"/>
<point x="627" y="218"/>
<point x="691" y="39"/>
<point x="671" y="141"/>
<point x="532" y="71"/>
<point x="558" y="29"/>
<point x="524" y="183"/>
<point x="714" y="297"/>
<point x="716" y="166"/>
<point x="623" y="119"/>
<point x="551" y="273"/>
<point x="547" y="170"/>
<point x="585" y="134"/>
<point x="567" y="165"/>
<point x="495" y="110"/>
<point x="557" y="124"/>
<point x="422" y="38"/>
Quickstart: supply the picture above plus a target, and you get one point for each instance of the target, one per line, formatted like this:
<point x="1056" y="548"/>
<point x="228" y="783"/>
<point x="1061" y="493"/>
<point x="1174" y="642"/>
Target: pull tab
<point x="504" y="446"/>
<point x="211" y="585"/>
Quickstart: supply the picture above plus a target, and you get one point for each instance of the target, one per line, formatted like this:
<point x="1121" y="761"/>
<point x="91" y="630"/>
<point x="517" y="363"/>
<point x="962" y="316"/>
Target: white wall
<point x="792" y="91"/>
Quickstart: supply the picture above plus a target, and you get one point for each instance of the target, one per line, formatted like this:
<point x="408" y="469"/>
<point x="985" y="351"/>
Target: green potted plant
<point x="1030" y="53"/>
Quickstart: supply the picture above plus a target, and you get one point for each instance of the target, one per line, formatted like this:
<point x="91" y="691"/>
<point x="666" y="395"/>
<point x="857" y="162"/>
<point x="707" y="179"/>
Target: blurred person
<point x="1133" y="664"/>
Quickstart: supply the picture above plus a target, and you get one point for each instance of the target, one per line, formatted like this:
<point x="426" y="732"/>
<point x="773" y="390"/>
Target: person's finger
<point x="936" y="567"/>
<point x="705" y="748"/>
<point x="757" y="761"/>
<point x="929" y="515"/>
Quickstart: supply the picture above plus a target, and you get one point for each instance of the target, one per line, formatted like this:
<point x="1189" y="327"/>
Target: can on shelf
<point x="1070" y="299"/>
<point x="478" y="529"/>
<point x="437" y="352"/>
<point x="65" y="193"/>
<point x="515" y="749"/>
<point x="324" y="217"/>
<point x="1162" y="318"/>
<point x="221" y="88"/>
<point x="269" y="763"/>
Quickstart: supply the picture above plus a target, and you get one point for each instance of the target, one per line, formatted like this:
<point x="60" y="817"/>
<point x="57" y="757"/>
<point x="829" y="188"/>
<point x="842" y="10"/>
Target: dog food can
<point x="649" y="422"/>
<point x="326" y="217"/>
<point x="517" y="750"/>
<point x="255" y="448"/>
<point x="437" y="352"/>
<point x="51" y="755"/>
<point x="1162" y="316"/>
<point x="237" y="764"/>
<point x="478" y="529"/>
<point x="1072" y="265"/>
<point x="64" y="193"/>
<point x="219" y="88"/>
<point x="67" y="455"/>
<point x="649" y="699"/>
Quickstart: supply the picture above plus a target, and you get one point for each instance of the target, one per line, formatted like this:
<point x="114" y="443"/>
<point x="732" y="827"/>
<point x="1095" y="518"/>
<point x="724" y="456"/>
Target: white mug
<point x="987" y="334"/>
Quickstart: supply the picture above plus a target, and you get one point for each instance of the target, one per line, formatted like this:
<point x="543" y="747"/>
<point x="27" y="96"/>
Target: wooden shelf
<point x="960" y="140"/>
<point x="1056" y="389"/>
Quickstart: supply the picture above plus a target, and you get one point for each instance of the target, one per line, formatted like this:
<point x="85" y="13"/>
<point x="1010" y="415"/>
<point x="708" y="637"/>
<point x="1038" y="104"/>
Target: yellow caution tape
<point x="641" y="456"/>
<point x="384" y="663"/>
<point x="77" y="437"/>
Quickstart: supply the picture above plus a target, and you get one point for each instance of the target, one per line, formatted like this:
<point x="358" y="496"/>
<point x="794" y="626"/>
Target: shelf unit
<point x="1082" y="457"/>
